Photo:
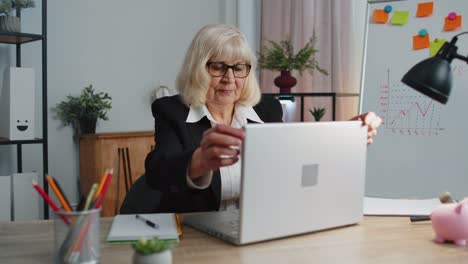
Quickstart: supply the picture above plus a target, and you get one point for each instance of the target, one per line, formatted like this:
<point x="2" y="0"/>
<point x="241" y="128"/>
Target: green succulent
<point x="150" y="246"/>
<point x="317" y="113"/>
<point x="7" y="6"/>
<point x="280" y="56"/>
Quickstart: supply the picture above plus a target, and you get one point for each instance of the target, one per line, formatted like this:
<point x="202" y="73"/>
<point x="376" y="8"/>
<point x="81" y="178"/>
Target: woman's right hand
<point x="219" y="147"/>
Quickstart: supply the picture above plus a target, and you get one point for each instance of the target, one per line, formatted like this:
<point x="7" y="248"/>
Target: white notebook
<point x="127" y="228"/>
<point x="399" y="207"/>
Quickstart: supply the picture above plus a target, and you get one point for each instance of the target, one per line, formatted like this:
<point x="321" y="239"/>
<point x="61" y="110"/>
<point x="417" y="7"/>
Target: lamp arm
<point x="463" y="33"/>
<point x="454" y="54"/>
<point x="460" y="57"/>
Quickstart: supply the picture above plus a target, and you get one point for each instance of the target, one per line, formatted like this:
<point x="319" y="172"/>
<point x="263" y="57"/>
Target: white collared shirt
<point x="230" y="175"/>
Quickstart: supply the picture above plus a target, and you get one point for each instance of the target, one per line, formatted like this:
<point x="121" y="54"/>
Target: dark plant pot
<point x="10" y="24"/>
<point x="88" y="126"/>
<point x="285" y="81"/>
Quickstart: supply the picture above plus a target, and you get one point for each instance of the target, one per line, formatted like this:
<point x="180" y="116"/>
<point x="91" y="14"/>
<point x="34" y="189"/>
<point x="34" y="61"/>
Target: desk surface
<point x="374" y="240"/>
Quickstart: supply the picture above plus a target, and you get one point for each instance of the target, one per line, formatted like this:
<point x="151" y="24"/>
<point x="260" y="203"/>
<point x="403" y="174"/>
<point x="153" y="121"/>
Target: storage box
<point x="5" y="198"/>
<point x="17" y="104"/>
<point x="26" y="200"/>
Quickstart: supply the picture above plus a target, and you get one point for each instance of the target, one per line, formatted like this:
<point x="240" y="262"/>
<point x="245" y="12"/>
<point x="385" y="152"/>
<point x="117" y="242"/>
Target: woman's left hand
<point x="372" y="121"/>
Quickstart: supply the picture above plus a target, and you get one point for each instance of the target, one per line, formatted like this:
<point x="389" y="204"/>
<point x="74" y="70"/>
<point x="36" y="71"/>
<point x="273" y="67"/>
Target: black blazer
<point x="166" y="166"/>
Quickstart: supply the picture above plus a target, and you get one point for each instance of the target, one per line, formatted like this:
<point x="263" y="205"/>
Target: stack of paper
<point x="382" y="206"/>
<point x="127" y="228"/>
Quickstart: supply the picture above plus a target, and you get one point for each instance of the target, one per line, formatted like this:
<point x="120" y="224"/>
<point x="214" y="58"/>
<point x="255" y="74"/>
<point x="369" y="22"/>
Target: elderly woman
<point x="196" y="163"/>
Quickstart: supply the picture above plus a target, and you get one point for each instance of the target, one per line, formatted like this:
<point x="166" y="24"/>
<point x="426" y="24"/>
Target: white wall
<point x="125" y="48"/>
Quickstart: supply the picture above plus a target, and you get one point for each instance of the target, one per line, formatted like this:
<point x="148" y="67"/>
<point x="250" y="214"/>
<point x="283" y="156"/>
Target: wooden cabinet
<point x="99" y="152"/>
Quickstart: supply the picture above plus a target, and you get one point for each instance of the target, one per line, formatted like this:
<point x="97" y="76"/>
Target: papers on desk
<point x="399" y="207"/>
<point x="127" y="228"/>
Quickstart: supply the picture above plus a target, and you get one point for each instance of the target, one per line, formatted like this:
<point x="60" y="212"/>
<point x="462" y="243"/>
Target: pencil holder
<point x="78" y="240"/>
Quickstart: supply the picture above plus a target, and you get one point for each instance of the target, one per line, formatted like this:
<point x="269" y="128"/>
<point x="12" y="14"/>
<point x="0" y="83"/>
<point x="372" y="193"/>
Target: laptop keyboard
<point x="219" y="224"/>
<point x="231" y="227"/>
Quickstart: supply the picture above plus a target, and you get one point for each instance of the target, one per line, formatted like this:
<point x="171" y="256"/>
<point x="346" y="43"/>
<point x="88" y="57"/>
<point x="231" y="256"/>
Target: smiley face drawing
<point x="22" y="126"/>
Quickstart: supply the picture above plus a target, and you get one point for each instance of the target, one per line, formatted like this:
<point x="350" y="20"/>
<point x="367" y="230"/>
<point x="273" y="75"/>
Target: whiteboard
<point x="422" y="147"/>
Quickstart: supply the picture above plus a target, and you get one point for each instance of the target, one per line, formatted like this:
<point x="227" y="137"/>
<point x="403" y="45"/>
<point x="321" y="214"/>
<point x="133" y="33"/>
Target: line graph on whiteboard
<point x="408" y="112"/>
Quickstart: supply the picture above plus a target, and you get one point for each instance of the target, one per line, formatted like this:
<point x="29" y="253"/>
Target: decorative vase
<point x="88" y="126"/>
<point x="164" y="257"/>
<point x="285" y="81"/>
<point x="10" y="24"/>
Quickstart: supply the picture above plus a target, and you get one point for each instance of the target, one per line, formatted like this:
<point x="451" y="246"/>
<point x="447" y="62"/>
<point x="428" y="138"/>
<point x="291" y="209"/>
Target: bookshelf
<point x="301" y="96"/>
<point x="18" y="39"/>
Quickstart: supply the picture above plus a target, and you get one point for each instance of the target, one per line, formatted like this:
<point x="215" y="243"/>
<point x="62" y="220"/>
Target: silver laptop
<point x="296" y="178"/>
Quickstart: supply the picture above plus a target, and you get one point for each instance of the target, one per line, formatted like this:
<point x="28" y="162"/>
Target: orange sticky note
<point x="420" y="42"/>
<point x="425" y="9"/>
<point x="452" y="24"/>
<point x="380" y="16"/>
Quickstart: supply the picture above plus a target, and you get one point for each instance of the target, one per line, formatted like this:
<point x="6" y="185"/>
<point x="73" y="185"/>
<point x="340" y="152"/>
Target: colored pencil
<point x="101" y="184"/>
<point x="62" y="192"/>
<point x="81" y="203"/>
<point x="58" y="194"/>
<point x="49" y="201"/>
<point x="179" y="226"/>
<point x="104" y="190"/>
<point x="90" y="196"/>
<point x="79" y="242"/>
<point x="77" y="245"/>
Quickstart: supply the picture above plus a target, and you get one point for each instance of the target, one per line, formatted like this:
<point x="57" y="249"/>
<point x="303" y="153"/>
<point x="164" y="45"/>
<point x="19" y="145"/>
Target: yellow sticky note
<point x="400" y="18"/>
<point x="425" y="9"/>
<point x="452" y="24"/>
<point x="380" y="16"/>
<point x="420" y="42"/>
<point x="435" y="46"/>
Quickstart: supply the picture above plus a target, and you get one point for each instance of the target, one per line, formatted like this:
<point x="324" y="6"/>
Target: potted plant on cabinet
<point x="280" y="56"/>
<point x="149" y="251"/>
<point x="8" y="22"/>
<point x="82" y="112"/>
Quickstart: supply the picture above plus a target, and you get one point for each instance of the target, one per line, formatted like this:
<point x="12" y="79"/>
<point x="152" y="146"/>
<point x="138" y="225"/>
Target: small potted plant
<point x="82" y="112"/>
<point x="280" y="56"/>
<point x="317" y="113"/>
<point x="150" y="251"/>
<point x="8" y="22"/>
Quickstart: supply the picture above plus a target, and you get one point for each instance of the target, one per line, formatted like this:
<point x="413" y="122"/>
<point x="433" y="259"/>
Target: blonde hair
<point x="215" y="43"/>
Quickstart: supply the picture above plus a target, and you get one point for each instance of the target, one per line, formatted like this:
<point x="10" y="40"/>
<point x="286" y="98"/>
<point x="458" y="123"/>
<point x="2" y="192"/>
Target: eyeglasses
<point x="219" y="69"/>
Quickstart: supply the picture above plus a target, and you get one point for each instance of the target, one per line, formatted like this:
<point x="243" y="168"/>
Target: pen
<point x="148" y="222"/>
<point x="443" y="198"/>
<point x="419" y="218"/>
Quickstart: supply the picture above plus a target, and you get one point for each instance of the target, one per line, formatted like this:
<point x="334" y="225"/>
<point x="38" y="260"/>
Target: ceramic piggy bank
<point x="450" y="222"/>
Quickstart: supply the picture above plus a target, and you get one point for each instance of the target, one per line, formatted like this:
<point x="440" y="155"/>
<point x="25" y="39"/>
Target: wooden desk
<point x="375" y="240"/>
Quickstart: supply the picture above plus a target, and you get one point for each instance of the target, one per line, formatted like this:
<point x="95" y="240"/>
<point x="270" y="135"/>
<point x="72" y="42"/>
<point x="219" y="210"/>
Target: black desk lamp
<point x="433" y="76"/>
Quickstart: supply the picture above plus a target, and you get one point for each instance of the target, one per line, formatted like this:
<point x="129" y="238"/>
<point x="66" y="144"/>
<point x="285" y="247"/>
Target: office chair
<point x="140" y="198"/>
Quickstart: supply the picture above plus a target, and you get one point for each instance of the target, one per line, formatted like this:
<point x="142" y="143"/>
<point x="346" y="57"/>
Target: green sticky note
<point x="435" y="46"/>
<point x="400" y="18"/>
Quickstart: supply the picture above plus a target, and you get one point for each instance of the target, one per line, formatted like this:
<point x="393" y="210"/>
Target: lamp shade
<point x="432" y="77"/>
